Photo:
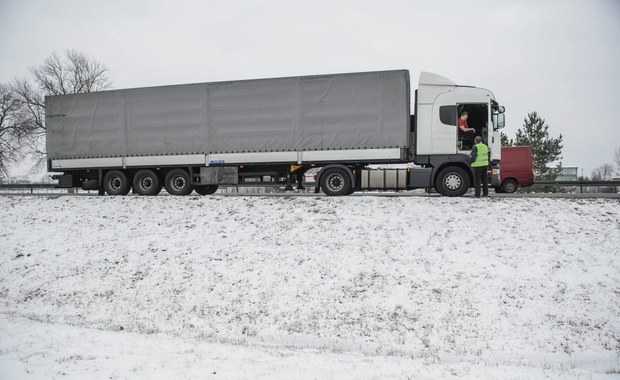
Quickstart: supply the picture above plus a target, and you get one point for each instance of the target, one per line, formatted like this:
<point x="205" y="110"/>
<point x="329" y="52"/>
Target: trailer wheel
<point x="452" y="181"/>
<point x="335" y="182"/>
<point x="146" y="182"/>
<point x="510" y="185"/>
<point x="115" y="182"/>
<point x="178" y="182"/>
<point x="206" y="190"/>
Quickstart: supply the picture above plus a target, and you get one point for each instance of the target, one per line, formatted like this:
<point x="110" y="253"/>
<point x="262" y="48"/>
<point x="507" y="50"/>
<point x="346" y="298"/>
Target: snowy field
<point x="311" y="287"/>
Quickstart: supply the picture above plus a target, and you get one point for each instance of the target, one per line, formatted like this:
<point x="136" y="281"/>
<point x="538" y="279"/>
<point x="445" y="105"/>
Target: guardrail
<point x="33" y="188"/>
<point x="579" y="183"/>
<point x="36" y="188"/>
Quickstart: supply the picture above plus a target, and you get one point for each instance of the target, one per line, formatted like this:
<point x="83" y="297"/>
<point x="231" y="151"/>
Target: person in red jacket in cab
<point x="466" y="134"/>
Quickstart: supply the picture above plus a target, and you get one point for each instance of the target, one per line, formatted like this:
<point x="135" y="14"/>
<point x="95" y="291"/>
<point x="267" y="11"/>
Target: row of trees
<point x="22" y="102"/>
<point x="547" y="149"/>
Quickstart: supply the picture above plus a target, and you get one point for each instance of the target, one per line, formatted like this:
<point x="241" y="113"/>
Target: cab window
<point x="447" y="115"/>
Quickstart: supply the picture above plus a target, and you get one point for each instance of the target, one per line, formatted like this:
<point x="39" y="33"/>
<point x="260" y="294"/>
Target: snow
<point x="308" y="287"/>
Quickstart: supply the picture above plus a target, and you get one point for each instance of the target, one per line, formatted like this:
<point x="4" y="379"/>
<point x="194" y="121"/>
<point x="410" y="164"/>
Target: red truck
<point x="516" y="168"/>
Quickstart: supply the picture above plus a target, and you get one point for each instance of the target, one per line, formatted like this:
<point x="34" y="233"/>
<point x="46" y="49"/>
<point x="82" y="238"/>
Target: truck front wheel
<point x="115" y="182"/>
<point x="510" y="186"/>
<point x="335" y="182"/>
<point x="452" y="181"/>
<point x="178" y="182"/>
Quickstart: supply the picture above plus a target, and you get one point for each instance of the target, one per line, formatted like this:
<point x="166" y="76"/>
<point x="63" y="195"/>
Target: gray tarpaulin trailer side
<point x="267" y="132"/>
<point x="332" y="112"/>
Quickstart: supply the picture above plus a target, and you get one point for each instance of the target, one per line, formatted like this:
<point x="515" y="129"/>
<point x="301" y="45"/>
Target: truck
<point x="268" y="132"/>
<point x="516" y="168"/>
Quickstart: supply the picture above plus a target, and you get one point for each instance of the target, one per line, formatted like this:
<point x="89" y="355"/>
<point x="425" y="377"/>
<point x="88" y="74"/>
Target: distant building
<point x="568" y="173"/>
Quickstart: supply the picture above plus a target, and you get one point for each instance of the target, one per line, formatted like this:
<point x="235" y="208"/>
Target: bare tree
<point x="14" y="128"/>
<point x="617" y="160"/>
<point x="58" y="75"/>
<point x="32" y="109"/>
<point x="604" y="173"/>
<point x="72" y="74"/>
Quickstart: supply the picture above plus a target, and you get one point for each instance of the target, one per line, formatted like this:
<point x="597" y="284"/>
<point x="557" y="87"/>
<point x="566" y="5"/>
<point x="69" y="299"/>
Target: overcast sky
<point x="559" y="58"/>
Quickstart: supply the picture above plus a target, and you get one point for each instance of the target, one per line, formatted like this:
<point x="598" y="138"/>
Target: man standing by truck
<point x="480" y="164"/>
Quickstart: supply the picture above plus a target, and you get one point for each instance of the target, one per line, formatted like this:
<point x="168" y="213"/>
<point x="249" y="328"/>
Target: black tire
<point x="178" y="182"/>
<point x="146" y="182"/>
<point x="115" y="182"/>
<point x="335" y="182"/>
<point x="452" y="181"/>
<point x="206" y="190"/>
<point x="510" y="186"/>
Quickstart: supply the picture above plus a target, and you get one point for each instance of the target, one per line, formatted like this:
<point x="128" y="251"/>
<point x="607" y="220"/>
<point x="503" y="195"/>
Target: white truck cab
<point x="439" y="104"/>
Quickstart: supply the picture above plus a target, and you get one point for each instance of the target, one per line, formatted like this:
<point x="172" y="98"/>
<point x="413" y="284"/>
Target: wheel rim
<point x="116" y="183"/>
<point x="335" y="182"/>
<point x="510" y="187"/>
<point x="178" y="183"/>
<point x="146" y="183"/>
<point x="453" y="181"/>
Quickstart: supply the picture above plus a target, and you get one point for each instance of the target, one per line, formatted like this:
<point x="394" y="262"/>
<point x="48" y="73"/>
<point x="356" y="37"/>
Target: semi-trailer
<point x="268" y="132"/>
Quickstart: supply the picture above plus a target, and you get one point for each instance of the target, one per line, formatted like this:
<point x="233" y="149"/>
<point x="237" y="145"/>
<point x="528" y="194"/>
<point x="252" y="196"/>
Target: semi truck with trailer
<point x="268" y="132"/>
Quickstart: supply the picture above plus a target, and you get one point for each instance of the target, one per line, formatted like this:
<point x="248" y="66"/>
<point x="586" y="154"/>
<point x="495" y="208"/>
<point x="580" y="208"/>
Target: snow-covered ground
<point x="309" y="287"/>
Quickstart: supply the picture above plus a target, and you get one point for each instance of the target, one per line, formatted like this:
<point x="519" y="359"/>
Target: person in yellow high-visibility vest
<point x="480" y="162"/>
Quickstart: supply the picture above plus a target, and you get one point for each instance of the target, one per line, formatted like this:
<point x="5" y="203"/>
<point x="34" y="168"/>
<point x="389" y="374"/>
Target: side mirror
<point x="499" y="121"/>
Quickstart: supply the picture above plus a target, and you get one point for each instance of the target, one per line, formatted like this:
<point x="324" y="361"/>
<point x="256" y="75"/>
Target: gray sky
<point x="560" y="58"/>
